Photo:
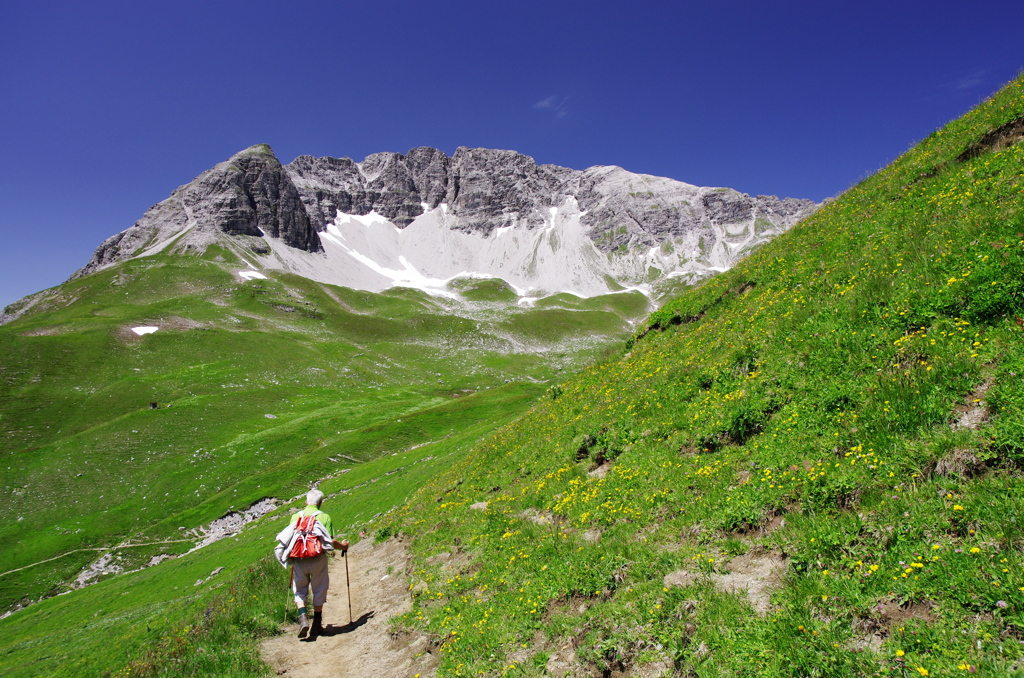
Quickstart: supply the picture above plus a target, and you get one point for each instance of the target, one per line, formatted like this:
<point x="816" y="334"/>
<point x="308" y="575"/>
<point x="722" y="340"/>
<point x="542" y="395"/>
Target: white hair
<point x="314" y="498"/>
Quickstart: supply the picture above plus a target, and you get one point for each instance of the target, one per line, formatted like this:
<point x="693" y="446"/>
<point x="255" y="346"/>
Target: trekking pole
<point x="291" y="578"/>
<point x="348" y="584"/>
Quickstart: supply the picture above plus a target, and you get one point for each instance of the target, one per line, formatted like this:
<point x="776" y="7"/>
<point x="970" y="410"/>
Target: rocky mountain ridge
<point x="642" y="228"/>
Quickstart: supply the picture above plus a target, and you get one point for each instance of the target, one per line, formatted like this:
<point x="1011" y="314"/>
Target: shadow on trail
<point x="332" y="630"/>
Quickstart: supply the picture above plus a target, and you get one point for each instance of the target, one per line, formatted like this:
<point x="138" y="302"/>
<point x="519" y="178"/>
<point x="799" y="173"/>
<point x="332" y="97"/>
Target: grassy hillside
<point x="261" y="387"/>
<point x="201" y="614"/>
<point x="809" y="465"/>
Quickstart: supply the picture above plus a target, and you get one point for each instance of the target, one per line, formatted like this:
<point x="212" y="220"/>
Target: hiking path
<point x="363" y="647"/>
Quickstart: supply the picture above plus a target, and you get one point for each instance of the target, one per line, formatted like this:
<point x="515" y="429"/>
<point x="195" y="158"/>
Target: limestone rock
<point x="250" y="194"/>
<point x="573" y="230"/>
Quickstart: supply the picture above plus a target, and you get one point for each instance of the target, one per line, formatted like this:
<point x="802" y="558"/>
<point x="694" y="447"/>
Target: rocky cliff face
<point x="250" y="194"/>
<point x="475" y="192"/>
<point x="487" y="188"/>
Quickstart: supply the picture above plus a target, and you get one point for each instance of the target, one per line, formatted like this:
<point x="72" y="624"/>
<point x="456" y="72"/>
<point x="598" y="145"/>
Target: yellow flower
<point x="975" y="549"/>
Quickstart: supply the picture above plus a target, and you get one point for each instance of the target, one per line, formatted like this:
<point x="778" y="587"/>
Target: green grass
<point x="493" y="289"/>
<point x="627" y="305"/>
<point x="799" y="412"/>
<point x="262" y="387"/>
<point x="155" y="621"/>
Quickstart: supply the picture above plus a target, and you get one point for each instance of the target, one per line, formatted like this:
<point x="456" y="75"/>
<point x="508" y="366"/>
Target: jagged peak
<point x="251" y="195"/>
<point x="255" y="149"/>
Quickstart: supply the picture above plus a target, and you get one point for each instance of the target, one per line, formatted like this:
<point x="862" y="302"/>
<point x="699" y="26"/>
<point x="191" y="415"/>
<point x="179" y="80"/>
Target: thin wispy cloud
<point x="967" y="81"/>
<point x="555" y="104"/>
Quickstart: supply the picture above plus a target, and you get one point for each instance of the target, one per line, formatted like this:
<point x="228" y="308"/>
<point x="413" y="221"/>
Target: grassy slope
<point x="155" y="620"/>
<point x="347" y="377"/>
<point x="820" y="382"/>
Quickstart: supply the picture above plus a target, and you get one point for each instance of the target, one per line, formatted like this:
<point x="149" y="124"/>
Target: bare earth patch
<point x="756" y="575"/>
<point x="974" y="410"/>
<point x="364" y="647"/>
<point x="601" y="470"/>
<point x="872" y="630"/>
<point x="43" y="332"/>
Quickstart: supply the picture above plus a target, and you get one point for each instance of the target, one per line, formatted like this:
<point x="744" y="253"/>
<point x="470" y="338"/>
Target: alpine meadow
<point x="809" y="464"/>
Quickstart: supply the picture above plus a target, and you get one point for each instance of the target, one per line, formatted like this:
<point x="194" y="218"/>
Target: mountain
<point x="424" y="219"/>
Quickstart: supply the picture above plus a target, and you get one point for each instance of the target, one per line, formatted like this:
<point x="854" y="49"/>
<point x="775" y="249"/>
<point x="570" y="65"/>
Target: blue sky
<point x="109" y="106"/>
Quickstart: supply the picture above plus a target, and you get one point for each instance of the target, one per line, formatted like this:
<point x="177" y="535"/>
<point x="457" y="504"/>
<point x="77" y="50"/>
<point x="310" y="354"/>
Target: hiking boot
<point x="303" y="626"/>
<point x="318" y="628"/>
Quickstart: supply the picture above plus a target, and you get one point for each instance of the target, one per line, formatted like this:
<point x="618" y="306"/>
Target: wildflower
<point x="975" y="549"/>
<point x="1000" y="604"/>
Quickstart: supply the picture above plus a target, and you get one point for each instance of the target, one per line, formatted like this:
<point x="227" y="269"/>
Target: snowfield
<point x="370" y="253"/>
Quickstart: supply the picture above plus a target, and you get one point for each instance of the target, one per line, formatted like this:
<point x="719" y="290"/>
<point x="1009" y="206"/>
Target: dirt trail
<point x="363" y="648"/>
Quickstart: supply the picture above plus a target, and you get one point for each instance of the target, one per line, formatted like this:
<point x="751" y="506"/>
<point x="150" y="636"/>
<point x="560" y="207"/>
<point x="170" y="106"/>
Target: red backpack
<point x="307" y="544"/>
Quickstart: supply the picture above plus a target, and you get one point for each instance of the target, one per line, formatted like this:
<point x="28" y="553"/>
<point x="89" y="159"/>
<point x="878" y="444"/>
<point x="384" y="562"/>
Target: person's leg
<point x="301" y="580"/>
<point x="300" y="583"/>
<point x="320" y="581"/>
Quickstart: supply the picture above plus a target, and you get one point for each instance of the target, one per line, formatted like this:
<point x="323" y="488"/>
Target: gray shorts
<point x="310" y="573"/>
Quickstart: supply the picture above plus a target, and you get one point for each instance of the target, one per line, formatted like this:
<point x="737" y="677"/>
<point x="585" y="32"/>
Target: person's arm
<point x="325" y="520"/>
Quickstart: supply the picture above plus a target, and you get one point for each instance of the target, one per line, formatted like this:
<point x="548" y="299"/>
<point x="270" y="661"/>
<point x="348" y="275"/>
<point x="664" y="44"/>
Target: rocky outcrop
<point x="393" y="185"/>
<point x="491" y="189"/>
<point x="486" y="188"/>
<point x="250" y="194"/>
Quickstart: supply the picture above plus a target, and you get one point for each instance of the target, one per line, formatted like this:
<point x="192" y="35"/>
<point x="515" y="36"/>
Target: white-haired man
<point x="312" y="572"/>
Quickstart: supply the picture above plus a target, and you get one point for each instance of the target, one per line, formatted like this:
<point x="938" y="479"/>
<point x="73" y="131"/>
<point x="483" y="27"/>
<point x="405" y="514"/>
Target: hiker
<point x="303" y="545"/>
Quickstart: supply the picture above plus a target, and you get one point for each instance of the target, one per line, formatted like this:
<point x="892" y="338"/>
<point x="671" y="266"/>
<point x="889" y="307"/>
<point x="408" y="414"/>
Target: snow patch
<point x="368" y="220"/>
<point x="408" y="276"/>
<point x="252" y="275"/>
<point x="144" y="330"/>
<point x="642" y="289"/>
